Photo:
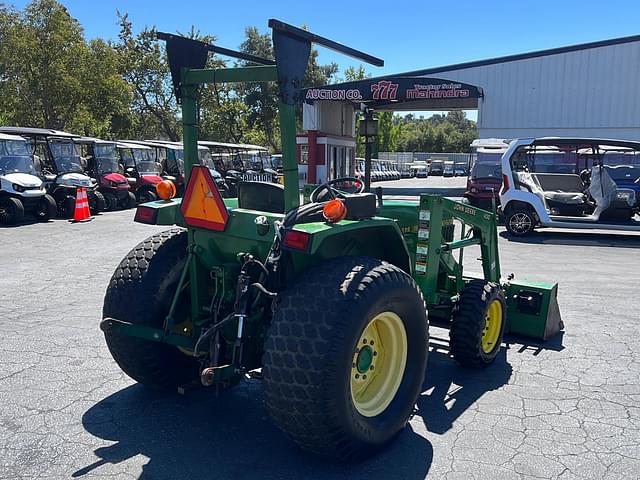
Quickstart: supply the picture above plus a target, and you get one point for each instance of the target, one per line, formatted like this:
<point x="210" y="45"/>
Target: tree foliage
<point x="52" y="77"/>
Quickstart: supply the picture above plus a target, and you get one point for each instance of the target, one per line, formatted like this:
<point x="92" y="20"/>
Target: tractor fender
<point x="378" y="238"/>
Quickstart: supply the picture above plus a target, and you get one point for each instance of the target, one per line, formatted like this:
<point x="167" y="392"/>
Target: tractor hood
<point x="23" y="179"/>
<point x="74" y="180"/>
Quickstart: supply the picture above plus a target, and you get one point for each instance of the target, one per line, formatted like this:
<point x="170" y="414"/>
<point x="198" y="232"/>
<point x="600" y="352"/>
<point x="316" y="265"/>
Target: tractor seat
<point x="261" y="196"/>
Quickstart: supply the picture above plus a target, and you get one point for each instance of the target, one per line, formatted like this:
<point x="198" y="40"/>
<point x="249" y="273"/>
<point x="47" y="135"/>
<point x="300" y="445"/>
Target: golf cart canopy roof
<point x="4" y="136"/>
<point x="120" y="144"/>
<point x="41" y="132"/>
<point x="174" y="145"/>
<point x="153" y="144"/>
<point x="236" y="146"/>
<point x="89" y="140"/>
<point x="496" y="143"/>
<point x="569" y="141"/>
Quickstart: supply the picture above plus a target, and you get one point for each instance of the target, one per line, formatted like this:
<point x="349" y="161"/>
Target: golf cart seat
<point x="562" y="187"/>
<point x="261" y="196"/>
<point x="611" y="202"/>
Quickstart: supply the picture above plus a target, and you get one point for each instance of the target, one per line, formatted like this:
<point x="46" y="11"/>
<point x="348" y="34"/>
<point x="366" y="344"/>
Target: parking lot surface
<point x="568" y="409"/>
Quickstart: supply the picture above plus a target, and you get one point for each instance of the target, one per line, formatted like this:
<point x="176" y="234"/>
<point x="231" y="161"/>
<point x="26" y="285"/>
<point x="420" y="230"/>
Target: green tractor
<point x="326" y="301"/>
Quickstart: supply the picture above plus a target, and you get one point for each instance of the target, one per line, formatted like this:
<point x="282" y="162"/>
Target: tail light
<point x="505" y="184"/>
<point x="297" y="240"/>
<point x="146" y="215"/>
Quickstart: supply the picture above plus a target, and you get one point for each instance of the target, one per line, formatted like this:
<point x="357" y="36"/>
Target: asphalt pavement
<point x="568" y="408"/>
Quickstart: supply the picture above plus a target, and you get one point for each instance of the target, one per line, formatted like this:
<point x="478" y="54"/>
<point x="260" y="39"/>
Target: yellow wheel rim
<point x="492" y="326"/>
<point x="378" y="364"/>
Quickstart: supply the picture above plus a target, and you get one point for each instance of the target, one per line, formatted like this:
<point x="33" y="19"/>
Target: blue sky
<point x="408" y="35"/>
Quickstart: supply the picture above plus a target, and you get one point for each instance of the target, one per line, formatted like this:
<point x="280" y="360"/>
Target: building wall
<point x="591" y="92"/>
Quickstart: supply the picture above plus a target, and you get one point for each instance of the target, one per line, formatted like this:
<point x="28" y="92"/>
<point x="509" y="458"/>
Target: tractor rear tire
<point x="320" y="350"/>
<point x="11" y="211"/>
<point x="478" y="324"/>
<point x="140" y="292"/>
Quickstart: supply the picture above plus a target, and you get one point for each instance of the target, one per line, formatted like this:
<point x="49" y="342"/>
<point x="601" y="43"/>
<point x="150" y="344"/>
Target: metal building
<point x="590" y="89"/>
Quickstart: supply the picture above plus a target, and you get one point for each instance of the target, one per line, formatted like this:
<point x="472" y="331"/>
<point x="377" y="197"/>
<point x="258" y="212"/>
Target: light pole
<point x="369" y="130"/>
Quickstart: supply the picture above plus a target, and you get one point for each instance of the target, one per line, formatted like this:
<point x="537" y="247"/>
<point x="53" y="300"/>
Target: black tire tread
<point x="18" y="208"/>
<point x="139" y="292"/>
<point x="302" y="345"/>
<point x="468" y="322"/>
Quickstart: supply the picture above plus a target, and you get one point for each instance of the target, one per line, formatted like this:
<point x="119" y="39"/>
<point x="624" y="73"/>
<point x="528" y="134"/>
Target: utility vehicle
<point x="566" y="183"/>
<point x="60" y="166"/>
<point x="326" y="301"/>
<point x="436" y="167"/>
<point x="141" y="169"/>
<point x="460" y="169"/>
<point x="20" y="189"/>
<point x="447" y="170"/>
<point x="420" y="169"/>
<point x="103" y="165"/>
<point x="485" y="175"/>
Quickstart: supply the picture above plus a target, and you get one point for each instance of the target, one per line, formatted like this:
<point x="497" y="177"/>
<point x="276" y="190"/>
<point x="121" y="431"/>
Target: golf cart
<point x="170" y="156"/>
<point x="436" y="167"/>
<point x="460" y="169"/>
<point x="103" y="165"/>
<point x="141" y="169"/>
<point x="204" y="158"/>
<point x="60" y="166"/>
<point x="566" y="183"/>
<point x="420" y="169"/>
<point x="327" y="301"/>
<point x="485" y="175"/>
<point x="20" y="189"/>
<point x="241" y="162"/>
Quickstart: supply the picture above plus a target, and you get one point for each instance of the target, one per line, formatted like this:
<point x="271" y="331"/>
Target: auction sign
<point x="396" y="89"/>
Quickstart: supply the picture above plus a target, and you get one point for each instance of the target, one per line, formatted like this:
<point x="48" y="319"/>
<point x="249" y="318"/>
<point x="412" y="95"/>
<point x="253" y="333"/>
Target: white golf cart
<point x="59" y="165"/>
<point x="567" y="183"/>
<point x="20" y="189"/>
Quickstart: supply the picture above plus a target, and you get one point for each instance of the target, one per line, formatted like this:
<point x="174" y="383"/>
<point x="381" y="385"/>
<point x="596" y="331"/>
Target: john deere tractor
<point x="327" y="301"/>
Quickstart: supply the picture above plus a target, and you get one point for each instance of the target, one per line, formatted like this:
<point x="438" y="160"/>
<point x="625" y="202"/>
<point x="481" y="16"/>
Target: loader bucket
<point x="532" y="309"/>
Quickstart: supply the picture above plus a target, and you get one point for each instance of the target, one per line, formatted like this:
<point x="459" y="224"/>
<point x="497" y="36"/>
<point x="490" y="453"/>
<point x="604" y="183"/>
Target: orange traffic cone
<point x="87" y="211"/>
<point x="81" y="212"/>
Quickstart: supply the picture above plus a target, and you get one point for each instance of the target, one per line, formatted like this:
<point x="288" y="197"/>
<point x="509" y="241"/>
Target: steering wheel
<point x="330" y="189"/>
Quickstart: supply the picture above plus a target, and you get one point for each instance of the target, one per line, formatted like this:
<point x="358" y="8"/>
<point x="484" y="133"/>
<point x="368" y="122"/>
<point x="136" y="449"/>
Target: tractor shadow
<point x="229" y="436"/>
<point x="586" y="239"/>
<point x="449" y="389"/>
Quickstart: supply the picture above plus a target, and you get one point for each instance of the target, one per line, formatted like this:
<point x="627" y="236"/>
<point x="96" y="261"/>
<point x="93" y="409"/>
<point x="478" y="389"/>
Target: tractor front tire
<point x="478" y="324"/>
<point x="345" y="357"/>
<point x="140" y="292"/>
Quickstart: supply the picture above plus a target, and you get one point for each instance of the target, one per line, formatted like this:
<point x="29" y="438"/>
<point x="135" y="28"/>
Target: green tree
<point x="52" y="77"/>
<point x="143" y="64"/>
